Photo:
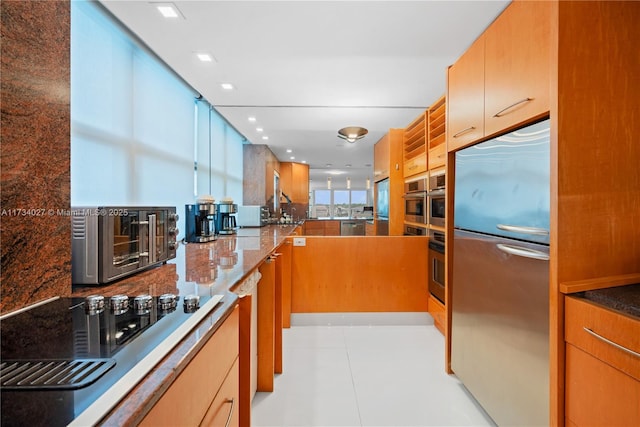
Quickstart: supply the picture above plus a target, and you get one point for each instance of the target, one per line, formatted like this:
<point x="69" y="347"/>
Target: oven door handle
<point x="416" y="195"/>
<point x="437" y="192"/>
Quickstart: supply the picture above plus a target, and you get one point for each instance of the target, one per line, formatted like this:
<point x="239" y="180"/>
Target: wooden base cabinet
<point x="602" y="381"/>
<point x="223" y="411"/>
<point x="208" y="386"/>
<point x="437" y="311"/>
<point x="598" y="394"/>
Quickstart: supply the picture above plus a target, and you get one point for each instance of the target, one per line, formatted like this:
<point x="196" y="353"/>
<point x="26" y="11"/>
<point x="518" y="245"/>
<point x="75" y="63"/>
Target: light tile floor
<point x="365" y="376"/>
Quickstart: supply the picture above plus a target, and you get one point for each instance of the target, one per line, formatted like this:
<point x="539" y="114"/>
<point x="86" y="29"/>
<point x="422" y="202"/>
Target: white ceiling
<point x="305" y="69"/>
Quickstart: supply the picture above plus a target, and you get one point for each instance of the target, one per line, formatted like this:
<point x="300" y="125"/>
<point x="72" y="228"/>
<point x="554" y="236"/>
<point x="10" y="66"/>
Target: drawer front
<point x="602" y="333"/>
<point x="414" y="166"/>
<point x="437" y="156"/>
<point x="597" y="394"/>
<point x="200" y="380"/>
<point x="224" y="410"/>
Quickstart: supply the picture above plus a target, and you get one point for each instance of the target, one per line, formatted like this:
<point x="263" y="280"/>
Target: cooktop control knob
<point x="142" y="304"/>
<point x="94" y="304"/>
<point x="191" y="303"/>
<point x="167" y="302"/>
<point x="119" y="304"/>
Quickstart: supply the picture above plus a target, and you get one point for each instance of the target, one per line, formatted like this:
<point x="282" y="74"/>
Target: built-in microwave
<point x="415" y="201"/>
<point x="109" y="243"/>
<point x="436" y="199"/>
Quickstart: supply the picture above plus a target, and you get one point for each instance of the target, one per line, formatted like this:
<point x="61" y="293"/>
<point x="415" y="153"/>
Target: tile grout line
<point x="353" y="383"/>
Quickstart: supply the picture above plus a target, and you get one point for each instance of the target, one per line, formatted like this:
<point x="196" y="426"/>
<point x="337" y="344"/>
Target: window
<point x="139" y="136"/>
<point x="321" y="204"/>
<point x="339" y="203"/>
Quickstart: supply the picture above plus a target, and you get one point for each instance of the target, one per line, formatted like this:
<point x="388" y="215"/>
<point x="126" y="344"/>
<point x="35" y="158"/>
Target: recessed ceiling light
<point x="259" y="129"/>
<point x="304" y="161"/>
<point x="252" y="119"/>
<point x="289" y="150"/>
<point x="226" y="86"/>
<point x="168" y="10"/>
<point x="292" y="157"/>
<point x="265" y="137"/>
<point x="204" y="57"/>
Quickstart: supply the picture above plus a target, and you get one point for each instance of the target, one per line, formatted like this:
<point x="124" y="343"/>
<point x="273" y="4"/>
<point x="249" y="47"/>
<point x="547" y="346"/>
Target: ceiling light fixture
<point x="168" y="10"/>
<point x="204" y="57"/>
<point x="259" y="129"/>
<point x="352" y="133"/>
<point x="265" y="137"/>
<point x="226" y="86"/>
<point x="252" y="119"/>
<point x="289" y="150"/>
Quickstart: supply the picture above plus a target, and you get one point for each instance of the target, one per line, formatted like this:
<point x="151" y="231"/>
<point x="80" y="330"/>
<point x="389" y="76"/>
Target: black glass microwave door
<point x="126" y="239"/>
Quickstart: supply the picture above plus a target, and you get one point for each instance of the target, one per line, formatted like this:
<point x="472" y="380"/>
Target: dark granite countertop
<point x="625" y="299"/>
<point x="212" y="268"/>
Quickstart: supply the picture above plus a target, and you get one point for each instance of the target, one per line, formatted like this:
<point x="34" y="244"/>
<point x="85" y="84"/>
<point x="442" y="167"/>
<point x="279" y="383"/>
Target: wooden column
<point x="266" y="325"/>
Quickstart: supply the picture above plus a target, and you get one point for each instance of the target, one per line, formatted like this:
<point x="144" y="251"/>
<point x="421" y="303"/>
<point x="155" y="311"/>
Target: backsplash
<point x="35" y="161"/>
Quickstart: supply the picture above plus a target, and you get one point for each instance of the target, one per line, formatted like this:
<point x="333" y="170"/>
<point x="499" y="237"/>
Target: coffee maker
<point x="201" y="220"/>
<point x="225" y="217"/>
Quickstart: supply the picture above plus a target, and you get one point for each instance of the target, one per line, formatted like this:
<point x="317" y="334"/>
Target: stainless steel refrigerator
<point x="500" y="283"/>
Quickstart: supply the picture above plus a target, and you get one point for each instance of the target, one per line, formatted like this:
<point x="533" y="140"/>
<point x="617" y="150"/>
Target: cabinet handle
<point x="233" y="404"/>
<point x="523" y="252"/>
<point x="464" y="131"/>
<point x="499" y="113"/>
<point x="608" y="341"/>
<point x="523" y="229"/>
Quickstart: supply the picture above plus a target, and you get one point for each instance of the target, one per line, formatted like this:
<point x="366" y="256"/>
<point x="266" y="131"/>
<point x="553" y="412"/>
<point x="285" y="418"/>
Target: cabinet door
<point x="381" y="159"/>
<point x="598" y="394"/>
<point x="300" y="183"/>
<point x="224" y="409"/>
<point x="200" y="380"/>
<point x="332" y="228"/>
<point x="517" y="60"/>
<point x="465" y="98"/>
<point x="286" y="180"/>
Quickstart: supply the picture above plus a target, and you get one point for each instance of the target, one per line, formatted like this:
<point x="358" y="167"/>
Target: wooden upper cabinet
<point x="465" y="98"/>
<point x="294" y="181"/>
<point x="300" y="177"/>
<point x="517" y="65"/>
<point x="381" y="159"/>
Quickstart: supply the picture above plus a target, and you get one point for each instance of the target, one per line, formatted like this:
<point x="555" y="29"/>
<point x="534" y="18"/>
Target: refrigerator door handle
<point x="523" y="229"/>
<point x="523" y="252"/>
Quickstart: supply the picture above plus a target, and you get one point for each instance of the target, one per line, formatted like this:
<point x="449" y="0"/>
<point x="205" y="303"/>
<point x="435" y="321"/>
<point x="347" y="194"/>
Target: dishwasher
<point x="352" y="228"/>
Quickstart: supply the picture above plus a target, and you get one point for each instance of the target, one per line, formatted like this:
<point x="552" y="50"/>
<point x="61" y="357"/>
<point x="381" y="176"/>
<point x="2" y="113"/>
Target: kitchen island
<point x="209" y="270"/>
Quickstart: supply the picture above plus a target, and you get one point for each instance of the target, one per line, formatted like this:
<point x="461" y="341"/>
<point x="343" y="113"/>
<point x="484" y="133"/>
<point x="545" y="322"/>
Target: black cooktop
<point x="65" y="331"/>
